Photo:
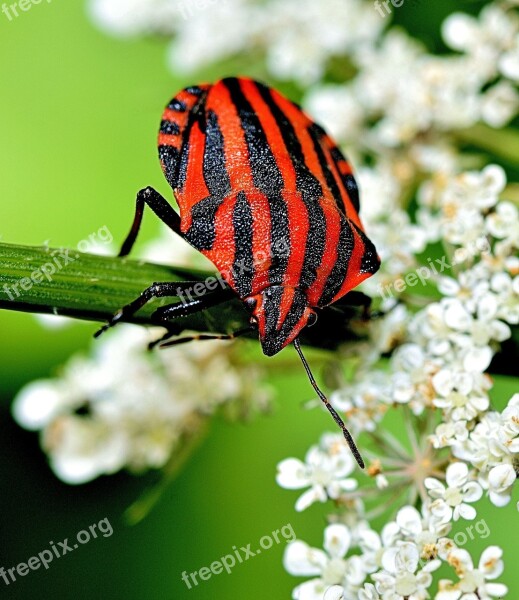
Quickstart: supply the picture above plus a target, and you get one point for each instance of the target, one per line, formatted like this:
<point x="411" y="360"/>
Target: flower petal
<point x="301" y="559"/>
<point x="337" y="540"/>
<point x="292" y="474"/>
<point x="457" y="474"/>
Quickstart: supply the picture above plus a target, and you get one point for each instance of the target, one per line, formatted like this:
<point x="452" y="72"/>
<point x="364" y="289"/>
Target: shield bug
<point x="269" y="198"/>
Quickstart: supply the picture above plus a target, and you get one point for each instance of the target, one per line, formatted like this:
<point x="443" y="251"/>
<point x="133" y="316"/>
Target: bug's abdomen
<point x="263" y="192"/>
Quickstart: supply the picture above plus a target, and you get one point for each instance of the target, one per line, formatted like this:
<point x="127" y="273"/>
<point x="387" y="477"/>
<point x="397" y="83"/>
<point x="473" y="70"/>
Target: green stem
<point x="90" y="287"/>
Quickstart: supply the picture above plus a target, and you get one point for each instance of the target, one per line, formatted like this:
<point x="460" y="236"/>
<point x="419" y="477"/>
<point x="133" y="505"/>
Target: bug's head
<point x="280" y="313"/>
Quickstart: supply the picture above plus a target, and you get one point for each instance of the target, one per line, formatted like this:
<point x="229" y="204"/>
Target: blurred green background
<point x="78" y="120"/>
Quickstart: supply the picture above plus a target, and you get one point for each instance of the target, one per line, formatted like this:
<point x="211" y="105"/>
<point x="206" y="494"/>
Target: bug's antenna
<point x="333" y="412"/>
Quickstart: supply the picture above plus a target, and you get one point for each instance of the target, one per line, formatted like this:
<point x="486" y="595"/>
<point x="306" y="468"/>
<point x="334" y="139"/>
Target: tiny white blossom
<point x="474" y="583"/>
<point x="331" y="566"/>
<point x="325" y="470"/>
<point x="451" y="502"/>
<point x="400" y="578"/>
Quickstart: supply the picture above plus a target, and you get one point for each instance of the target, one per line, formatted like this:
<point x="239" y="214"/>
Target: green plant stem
<point x="94" y="287"/>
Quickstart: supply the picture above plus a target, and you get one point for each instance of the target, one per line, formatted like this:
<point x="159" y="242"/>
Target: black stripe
<point x="174" y="161"/>
<point x="353" y="190"/>
<point x="177" y="105"/>
<point x="267" y="178"/>
<point x="243" y="265"/>
<point x="370" y="261"/>
<point x="336" y="154"/>
<point x="272" y="299"/>
<point x="195" y="90"/>
<point x="169" y="158"/>
<point x="202" y="231"/>
<point x="169" y="127"/>
<point x="340" y="268"/>
<point x="309" y="188"/>
<point x="348" y="180"/>
<point x="215" y="172"/>
<point x="274" y="338"/>
<point x="316" y="134"/>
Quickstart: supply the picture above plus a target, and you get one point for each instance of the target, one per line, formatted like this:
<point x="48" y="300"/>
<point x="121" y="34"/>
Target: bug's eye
<point x="253" y="321"/>
<point x="312" y="319"/>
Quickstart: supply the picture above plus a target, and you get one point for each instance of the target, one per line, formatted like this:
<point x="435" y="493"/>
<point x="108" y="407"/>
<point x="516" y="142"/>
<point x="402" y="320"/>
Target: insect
<point x="268" y="197"/>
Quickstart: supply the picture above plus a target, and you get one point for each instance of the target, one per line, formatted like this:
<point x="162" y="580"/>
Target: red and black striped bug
<point x="269" y="198"/>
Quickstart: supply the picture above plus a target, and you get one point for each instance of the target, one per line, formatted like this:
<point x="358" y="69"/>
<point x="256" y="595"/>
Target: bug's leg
<point x="193" y="305"/>
<point x="160" y="206"/>
<point x="159" y="290"/>
<point x="202" y="336"/>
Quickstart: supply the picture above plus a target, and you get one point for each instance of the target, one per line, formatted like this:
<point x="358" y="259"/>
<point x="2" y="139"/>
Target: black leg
<point x="184" y="308"/>
<point x="202" y="336"/>
<point x="179" y="309"/>
<point x="160" y="206"/>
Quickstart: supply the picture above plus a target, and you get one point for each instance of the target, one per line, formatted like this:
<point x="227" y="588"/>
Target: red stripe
<point x="166" y="139"/>
<point x="285" y="305"/>
<point x="195" y="188"/>
<point x="353" y="276"/>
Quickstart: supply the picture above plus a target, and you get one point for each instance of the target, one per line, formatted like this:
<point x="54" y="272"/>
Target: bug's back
<point x="263" y="192"/>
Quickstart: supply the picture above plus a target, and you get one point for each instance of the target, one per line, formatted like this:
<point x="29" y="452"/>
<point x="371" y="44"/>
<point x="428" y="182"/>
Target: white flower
<point x="499" y="104"/>
<point x="400" y="578"/>
<point x="474" y="583"/>
<point x="424" y="531"/>
<point x="325" y="470"/>
<point x="484" y="38"/>
<point x="413" y="372"/>
<point x="451" y="502"/>
<point x="503" y="223"/>
<point x="331" y="566"/>
<point x="507" y="292"/>
<point x="126" y="407"/>
<point x="460" y="393"/>
<point x="363" y="403"/>
<point x="336" y="109"/>
<point x="509" y="61"/>
<point x="397" y="241"/>
<point x="131" y="17"/>
<point x="451" y="433"/>
<point x="336" y="592"/>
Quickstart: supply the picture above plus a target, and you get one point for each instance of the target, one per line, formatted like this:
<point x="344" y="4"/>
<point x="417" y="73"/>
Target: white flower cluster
<point x="402" y="95"/>
<point x="399" y="561"/>
<point x="297" y="37"/>
<point x="124" y="407"/>
<point x="439" y="366"/>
